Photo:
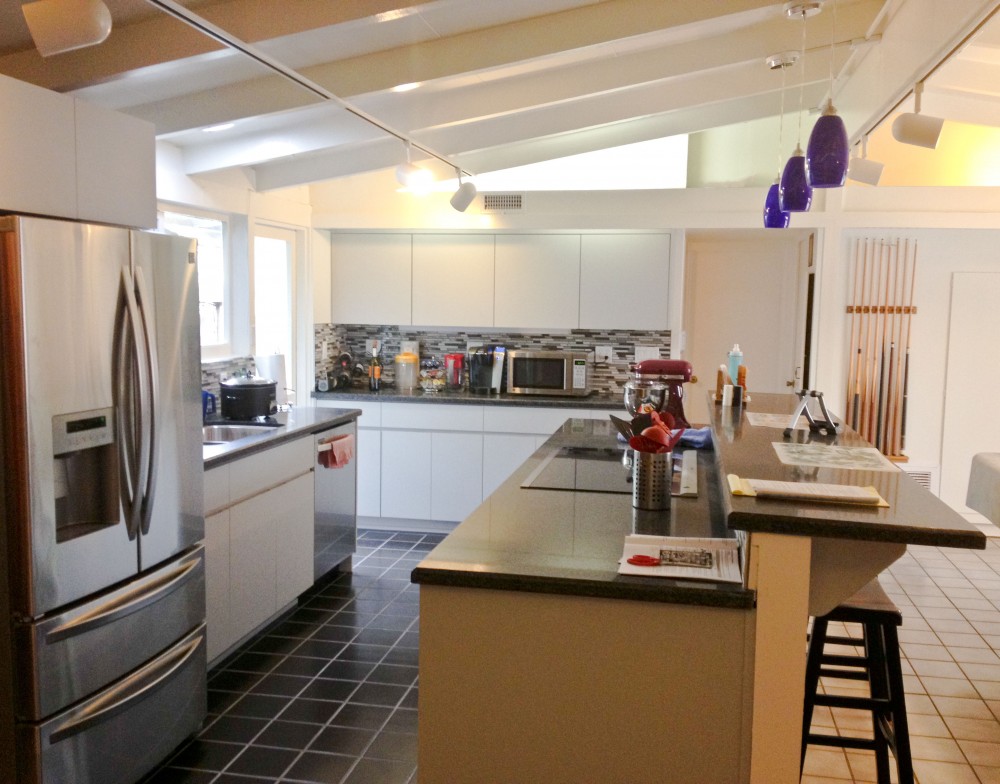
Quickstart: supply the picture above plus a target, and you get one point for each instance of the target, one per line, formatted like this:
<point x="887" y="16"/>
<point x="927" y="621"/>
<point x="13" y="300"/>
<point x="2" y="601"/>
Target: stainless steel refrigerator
<point x="102" y="602"/>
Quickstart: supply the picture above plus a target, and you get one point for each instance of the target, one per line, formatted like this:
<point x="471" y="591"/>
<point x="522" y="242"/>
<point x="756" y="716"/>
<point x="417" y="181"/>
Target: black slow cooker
<point x="246" y="398"/>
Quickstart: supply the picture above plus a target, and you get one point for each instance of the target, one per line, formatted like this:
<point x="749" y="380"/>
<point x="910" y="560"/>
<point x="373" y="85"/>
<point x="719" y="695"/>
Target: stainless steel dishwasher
<point x="336" y="499"/>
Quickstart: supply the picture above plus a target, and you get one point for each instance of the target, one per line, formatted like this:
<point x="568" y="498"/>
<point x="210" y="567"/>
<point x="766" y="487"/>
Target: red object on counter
<point x="336" y="451"/>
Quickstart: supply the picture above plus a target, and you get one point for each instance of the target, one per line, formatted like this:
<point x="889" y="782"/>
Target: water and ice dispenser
<point x="85" y="472"/>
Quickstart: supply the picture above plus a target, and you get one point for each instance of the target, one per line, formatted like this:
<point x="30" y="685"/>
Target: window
<point x="274" y="259"/>
<point x="214" y="303"/>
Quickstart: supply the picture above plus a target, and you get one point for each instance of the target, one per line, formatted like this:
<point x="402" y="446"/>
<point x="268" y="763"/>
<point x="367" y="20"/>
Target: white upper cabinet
<point x="115" y="167"/>
<point x="69" y="159"/>
<point x="537" y="281"/>
<point x="453" y="280"/>
<point x="370" y="278"/>
<point x="38" y="138"/>
<point x="624" y="280"/>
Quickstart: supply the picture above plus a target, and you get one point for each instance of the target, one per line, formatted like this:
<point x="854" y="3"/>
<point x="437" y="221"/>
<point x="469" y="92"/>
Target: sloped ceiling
<point x="498" y="84"/>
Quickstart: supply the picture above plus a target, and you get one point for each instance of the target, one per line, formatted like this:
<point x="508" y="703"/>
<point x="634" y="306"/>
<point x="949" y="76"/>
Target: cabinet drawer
<point x="371" y="413"/>
<point x="542" y="421"/>
<point x="421" y="416"/>
<point x="216" y="489"/>
<point x="258" y="472"/>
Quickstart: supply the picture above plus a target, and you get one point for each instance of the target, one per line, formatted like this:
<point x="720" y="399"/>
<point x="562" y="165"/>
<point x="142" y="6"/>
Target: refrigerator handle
<point x="135" y="688"/>
<point x="150" y="403"/>
<point x="130" y="391"/>
<point x="131" y="602"/>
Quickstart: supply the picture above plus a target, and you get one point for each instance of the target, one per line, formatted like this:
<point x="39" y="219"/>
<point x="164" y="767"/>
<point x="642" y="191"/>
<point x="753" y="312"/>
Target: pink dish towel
<point x="336" y="451"/>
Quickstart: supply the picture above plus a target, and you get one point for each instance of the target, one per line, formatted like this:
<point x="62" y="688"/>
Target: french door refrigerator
<point x="102" y="597"/>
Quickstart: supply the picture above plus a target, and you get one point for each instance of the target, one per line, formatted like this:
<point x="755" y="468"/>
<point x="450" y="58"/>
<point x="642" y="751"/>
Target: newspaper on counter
<point x="685" y="558"/>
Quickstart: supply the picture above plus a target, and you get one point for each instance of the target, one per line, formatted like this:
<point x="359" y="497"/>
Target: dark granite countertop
<point x="292" y="424"/>
<point x="914" y="515"/>
<point x="569" y="541"/>
<point x="463" y="397"/>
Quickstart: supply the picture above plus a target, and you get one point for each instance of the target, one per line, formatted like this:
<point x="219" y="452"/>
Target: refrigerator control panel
<point x="82" y="430"/>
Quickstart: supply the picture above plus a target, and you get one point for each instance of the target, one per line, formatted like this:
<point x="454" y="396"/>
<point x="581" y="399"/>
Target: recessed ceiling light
<point x="217" y="128"/>
<point x="405" y="88"/>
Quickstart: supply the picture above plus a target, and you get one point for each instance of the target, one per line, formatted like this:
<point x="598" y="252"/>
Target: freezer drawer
<point x="64" y="658"/>
<point x="124" y="731"/>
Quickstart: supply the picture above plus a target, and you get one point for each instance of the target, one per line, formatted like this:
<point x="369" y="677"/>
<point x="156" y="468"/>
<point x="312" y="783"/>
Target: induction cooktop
<point x="604" y="470"/>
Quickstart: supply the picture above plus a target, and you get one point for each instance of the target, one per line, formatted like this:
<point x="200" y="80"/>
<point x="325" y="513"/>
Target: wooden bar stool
<point x="878" y="665"/>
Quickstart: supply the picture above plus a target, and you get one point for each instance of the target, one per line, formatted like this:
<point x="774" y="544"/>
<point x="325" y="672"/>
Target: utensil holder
<point x="651" y="480"/>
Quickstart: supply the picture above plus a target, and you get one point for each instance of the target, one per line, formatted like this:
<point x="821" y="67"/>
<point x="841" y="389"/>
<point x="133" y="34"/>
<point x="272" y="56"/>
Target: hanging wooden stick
<point x="906" y="363"/>
<point x="852" y="388"/>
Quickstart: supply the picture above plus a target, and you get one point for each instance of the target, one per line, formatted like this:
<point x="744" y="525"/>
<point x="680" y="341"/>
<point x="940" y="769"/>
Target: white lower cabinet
<point x="424" y="461"/>
<point x="259" y="520"/>
<point x="456" y="475"/>
<point x="502" y="454"/>
<point x="406" y="474"/>
<point x="217" y="612"/>
<point x="369" y="473"/>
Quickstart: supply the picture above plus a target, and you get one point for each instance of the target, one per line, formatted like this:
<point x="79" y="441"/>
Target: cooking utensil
<point x="640" y="422"/>
<point x="623" y="427"/>
<point x="644" y="560"/>
<point x="642" y="443"/>
<point x="243" y="399"/>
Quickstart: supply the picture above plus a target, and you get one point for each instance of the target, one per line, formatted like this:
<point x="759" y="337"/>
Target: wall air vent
<point x="925" y="476"/>
<point x="503" y="202"/>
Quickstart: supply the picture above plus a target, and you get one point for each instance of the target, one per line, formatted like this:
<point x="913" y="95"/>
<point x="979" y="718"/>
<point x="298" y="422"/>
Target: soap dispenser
<point x="735" y="360"/>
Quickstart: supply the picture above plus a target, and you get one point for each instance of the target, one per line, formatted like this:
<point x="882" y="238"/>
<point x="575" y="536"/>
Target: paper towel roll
<point x="273" y="366"/>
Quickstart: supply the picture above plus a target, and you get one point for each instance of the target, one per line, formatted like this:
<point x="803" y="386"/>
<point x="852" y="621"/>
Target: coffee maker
<point x="486" y="367"/>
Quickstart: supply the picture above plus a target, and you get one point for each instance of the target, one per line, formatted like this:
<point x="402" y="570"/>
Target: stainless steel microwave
<point x="547" y="373"/>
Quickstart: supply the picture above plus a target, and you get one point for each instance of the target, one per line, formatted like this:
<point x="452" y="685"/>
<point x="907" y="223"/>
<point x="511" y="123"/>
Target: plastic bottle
<point x="375" y="371"/>
<point x="735" y="360"/>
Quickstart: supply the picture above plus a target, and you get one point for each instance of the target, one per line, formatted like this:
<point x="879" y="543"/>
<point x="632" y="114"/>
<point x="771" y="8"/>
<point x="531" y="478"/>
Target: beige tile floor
<point x="950" y="641"/>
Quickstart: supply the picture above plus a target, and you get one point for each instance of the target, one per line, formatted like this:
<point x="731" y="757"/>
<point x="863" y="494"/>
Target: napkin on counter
<point x="697" y="437"/>
<point x="336" y="451"/>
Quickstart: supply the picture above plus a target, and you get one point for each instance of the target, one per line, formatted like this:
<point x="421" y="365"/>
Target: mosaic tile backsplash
<point x="605" y="376"/>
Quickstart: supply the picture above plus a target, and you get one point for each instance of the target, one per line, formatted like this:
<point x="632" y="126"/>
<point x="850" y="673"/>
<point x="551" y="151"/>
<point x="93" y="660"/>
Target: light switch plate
<point x="602" y="353"/>
<point x="646" y="352"/>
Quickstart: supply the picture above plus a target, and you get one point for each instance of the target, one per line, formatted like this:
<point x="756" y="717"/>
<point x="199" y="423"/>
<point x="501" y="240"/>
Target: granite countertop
<point x="294" y="423"/>
<point x="388" y="394"/>
<point x="569" y="541"/>
<point x="914" y="515"/>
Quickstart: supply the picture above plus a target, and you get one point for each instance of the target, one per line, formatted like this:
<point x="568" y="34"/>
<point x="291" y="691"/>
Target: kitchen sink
<point x="224" y="434"/>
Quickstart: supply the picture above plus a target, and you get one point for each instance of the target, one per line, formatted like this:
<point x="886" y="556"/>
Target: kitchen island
<point x="539" y="662"/>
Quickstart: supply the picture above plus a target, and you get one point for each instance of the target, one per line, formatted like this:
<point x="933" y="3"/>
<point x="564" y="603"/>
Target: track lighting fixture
<point x="794" y="191"/>
<point x="774" y="216"/>
<point x="462" y="198"/>
<point x="864" y="170"/>
<point x="412" y="176"/>
<point x="828" y="152"/>
<point x="915" y="128"/>
<point x="58" y="26"/>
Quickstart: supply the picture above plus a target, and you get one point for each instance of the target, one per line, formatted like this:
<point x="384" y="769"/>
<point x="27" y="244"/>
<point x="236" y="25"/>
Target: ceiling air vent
<point x="503" y="202"/>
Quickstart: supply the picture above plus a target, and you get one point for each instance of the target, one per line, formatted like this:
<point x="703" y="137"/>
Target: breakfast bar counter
<point x="539" y="662"/>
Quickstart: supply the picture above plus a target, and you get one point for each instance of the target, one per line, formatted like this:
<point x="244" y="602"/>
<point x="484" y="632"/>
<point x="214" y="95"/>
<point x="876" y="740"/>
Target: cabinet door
<point x="217" y="614"/>
<point x="369" y="473"/>
<point x="624" y="280"/>
<point x="406" y="474"/>
<point x="251" y="562"/>
<point x="502" y="454"/>
<point x="370" y="278"/>
<point x="115" y="167"/>
<point x="293" y="538"/>
<point x="453" y="280"/>
<point x="37" y="134"/>
<point x="537" y="281"/>
<point x="456" y="475"/>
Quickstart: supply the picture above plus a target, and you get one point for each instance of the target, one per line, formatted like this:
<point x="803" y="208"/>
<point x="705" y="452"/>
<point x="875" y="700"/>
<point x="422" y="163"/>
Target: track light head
<point x="58" y="26"/>
<point x="921" y="130"/>
<point x="462" y="198"/>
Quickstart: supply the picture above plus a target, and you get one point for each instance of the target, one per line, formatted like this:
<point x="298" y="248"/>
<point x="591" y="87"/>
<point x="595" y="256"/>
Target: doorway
<point x="754" y="289"/>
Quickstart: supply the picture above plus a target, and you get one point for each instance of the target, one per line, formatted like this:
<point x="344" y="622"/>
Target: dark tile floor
<point x="328" y="694"/>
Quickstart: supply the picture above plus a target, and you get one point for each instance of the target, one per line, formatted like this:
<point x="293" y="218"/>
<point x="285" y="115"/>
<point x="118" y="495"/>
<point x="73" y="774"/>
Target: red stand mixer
<point x="658" y="384"/>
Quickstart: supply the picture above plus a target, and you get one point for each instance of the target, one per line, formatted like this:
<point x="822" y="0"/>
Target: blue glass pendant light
<point x="828" y="154"/>
<point x="794" y="192"/>
<point x="774" y="216"/>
